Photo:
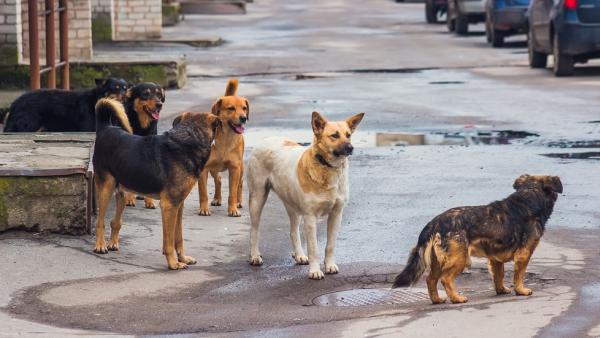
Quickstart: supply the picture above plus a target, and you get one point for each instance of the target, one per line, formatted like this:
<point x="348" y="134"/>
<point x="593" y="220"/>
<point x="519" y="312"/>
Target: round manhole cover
<point x="364" y="297"/>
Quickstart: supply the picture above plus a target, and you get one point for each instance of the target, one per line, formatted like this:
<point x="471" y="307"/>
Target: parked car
<point x="505" y="18"/>
<point x="435" y="8"/>
<point x="461" y="13"/>
<point x="567" y="29"/>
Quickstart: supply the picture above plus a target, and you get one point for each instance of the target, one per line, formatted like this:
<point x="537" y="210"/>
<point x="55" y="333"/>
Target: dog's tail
<point x="419" y="259"/>
<point x="232" y="86"/>
<point x="107" y="108"/>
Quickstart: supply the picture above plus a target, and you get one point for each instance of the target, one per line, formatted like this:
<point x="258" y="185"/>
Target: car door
<point x="539" y="18"/>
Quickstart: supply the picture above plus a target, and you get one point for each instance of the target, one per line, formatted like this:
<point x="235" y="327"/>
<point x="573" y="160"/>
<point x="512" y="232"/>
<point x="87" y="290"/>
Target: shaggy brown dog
<point x="227" y="152"/>
<point x="502" y="231"/>
<point x="163" y="166"/>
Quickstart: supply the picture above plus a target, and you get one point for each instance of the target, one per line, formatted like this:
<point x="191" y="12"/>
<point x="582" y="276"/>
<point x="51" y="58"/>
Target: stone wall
<point x="102" y="20"/>
<point x="10" y="32"/>
<point x="137" y="19"/>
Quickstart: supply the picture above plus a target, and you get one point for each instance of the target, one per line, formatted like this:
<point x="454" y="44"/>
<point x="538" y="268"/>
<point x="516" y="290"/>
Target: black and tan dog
<point x="164" y="167"/>
<point x="227" y="152"/>
<point x="143" y="103"/>
<point x="56" y="110"/>
<point x="502" y="231"/>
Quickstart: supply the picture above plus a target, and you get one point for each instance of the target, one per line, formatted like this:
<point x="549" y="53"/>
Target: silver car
<point x="461" y="13"/>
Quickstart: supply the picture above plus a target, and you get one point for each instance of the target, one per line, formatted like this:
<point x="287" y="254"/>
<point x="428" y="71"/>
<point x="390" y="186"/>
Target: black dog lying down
<point x="164" y="167"/>
<point x="502" y="231"/>
<point x="56" y="110"/>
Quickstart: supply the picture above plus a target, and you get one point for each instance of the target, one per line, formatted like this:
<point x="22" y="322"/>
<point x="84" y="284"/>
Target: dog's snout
<point x="243" y="119"/>
<point x="348" y="148"/>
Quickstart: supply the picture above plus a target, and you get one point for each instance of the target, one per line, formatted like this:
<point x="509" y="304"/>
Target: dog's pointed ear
<point x="553" y="183"/>
<point x="100" y="82"/>
<point x="354" y="121"/>
<point x="182" y="117"/>
<point x="521" y="181"/>
<point x="216" y="107"/>
<point x="247" y="110"/>
<point x="318" y="123"/>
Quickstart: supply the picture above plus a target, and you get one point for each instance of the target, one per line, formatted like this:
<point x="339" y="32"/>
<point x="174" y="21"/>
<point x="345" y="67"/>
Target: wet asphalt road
<point x="378" y="57"/>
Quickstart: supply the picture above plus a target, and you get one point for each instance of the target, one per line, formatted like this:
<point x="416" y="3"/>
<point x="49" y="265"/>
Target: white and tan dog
<point x="312" y="182"/>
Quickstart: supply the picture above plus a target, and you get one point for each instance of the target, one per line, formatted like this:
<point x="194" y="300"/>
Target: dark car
<point x="434" y="9"/>
<point x="567" y="29"/>
<point x="505" y="18"/>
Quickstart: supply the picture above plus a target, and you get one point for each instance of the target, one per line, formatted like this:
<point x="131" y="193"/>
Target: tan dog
<point x="311" y="182"/>
<point x="227" y="152"/>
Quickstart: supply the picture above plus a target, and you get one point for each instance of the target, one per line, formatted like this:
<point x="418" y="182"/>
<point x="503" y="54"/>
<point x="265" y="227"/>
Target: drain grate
<point x="365" y="297"/>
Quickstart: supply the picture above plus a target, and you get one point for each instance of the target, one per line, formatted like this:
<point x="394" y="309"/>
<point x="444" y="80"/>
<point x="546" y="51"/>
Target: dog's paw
<point x="331" y="269"/>
<point x="523" y="292"/>
<point x="458" y="299"/>
<point x="216" y="203"/>
<point x="149" y="204"/>
<point x="130" y="200"/>
<point x="189" y="260"/>
<point x="300" y="259"/>
<point x="204" y="212"/>
<point x="234" y="213"/>
<point x="438" y="300"/>
<point x="100" y="249"/>
<point x="255" y="260"/>
<point x="178" y="266"/>
<point x="113" y="246"/>
<point x="316" y="274"/>
<point x="503" y="291"/>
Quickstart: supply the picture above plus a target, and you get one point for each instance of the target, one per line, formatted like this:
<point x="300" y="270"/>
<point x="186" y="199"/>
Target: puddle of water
<point x="592" y="155"/>
<point x="451" y="138"/>
<point x="446" y="82"/>
<point x="574" y="144"/>
<point x="581" y="316"/>
<point x="374" y="139"/>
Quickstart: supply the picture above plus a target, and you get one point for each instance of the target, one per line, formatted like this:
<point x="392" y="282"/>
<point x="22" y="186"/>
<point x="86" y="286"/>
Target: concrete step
<point x="46" y="182"/>
<point x="214" y="7"/>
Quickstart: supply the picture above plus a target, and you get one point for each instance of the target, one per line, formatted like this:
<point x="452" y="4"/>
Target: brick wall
<point x="80" y="30"/>
<point x="137" y="19"/>
<point x="102" y="20"/>
<point x="10" y="32"/>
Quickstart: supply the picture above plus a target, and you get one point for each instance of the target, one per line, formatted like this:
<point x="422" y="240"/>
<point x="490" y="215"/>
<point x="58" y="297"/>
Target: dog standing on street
<point x="227" y="152"/>
<point x="164" y="167"/>
<point x="311" y="182"/>
<point x="502" y="231"/>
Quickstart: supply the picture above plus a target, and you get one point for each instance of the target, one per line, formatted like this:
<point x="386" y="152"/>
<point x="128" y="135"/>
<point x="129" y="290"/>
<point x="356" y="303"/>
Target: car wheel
<point x="488" y="33"/>
<point x="536" y="59"/>
<point x="563" y="64"/>
<point x="430" y="12"/>
<point x="462" y="25"/>
<point x="451" y="24"/>
<point x="497" y="38"/>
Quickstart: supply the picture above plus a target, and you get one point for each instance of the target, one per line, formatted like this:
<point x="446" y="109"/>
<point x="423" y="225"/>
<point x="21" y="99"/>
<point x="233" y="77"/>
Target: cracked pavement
<point x="339" y="57"/>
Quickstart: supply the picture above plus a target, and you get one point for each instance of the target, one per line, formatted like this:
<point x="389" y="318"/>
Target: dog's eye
<point x="335" y="136"/>
<point x="245" y="108"/>
<point x="231" y="108"/>
<point x="348" y="135"/>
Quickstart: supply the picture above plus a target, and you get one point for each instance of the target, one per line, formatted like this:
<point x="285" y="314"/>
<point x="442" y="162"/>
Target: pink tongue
<point x="155" y="115"/>
<point x="239" y="129"/>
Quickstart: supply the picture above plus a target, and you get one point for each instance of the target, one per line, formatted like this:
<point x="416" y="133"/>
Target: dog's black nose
<point x="158" y="105"/>
<point x="243" y="119"/>
<point x="348" y="149"/>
